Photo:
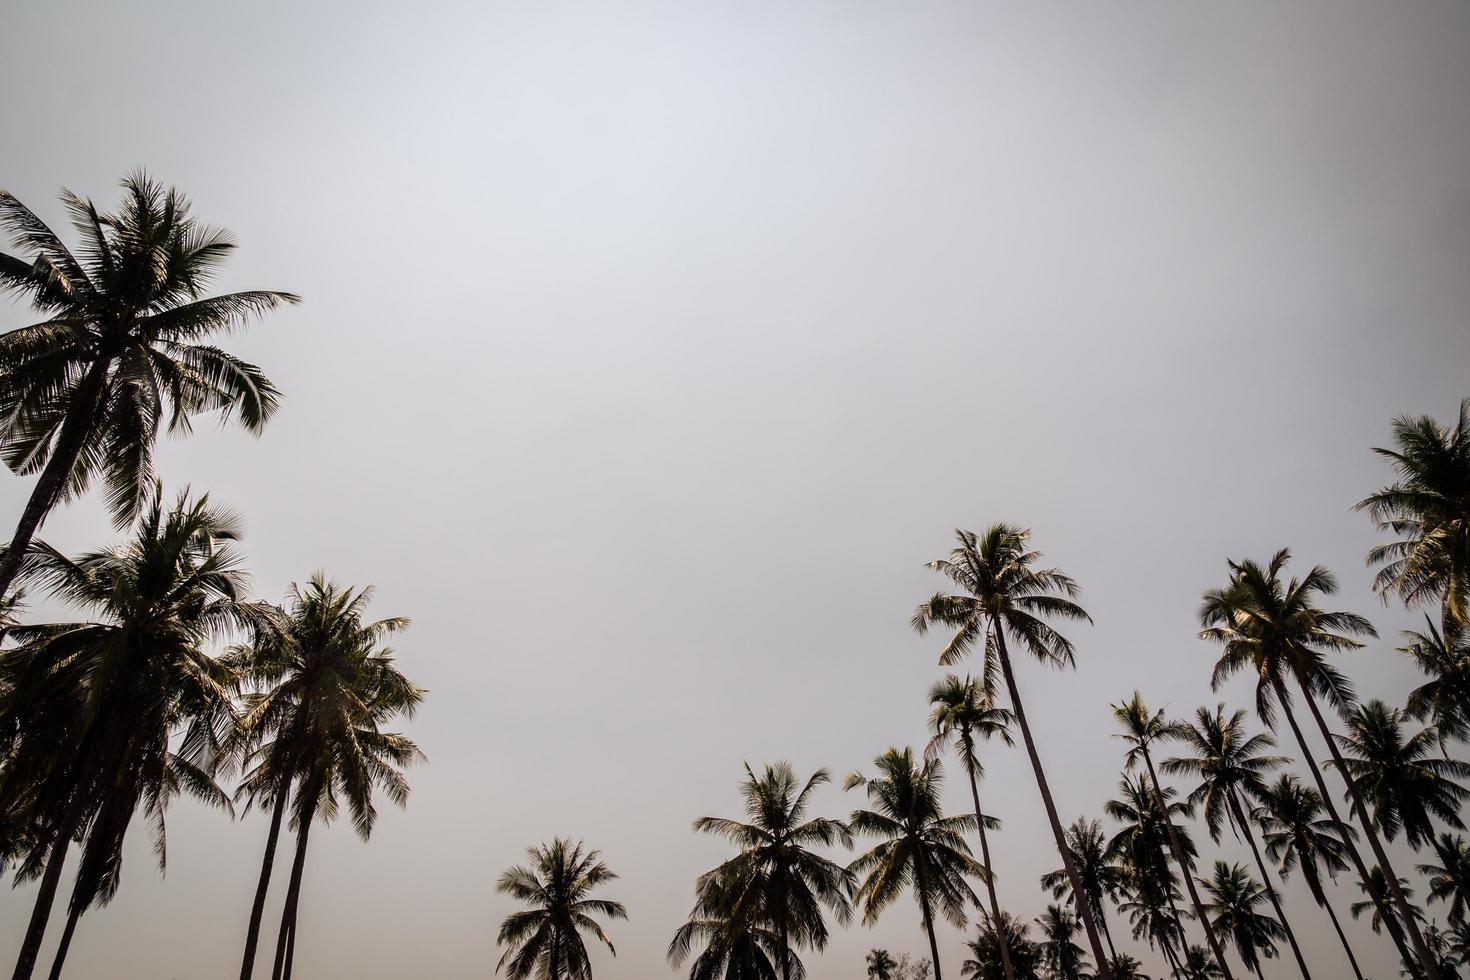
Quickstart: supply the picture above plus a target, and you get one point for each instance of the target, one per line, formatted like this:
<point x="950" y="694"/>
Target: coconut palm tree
<point x="1234" y="900"/>
<point x="1007" y="933"/>
<point x="1297" y="836"/>
<point x="738" y="945"/>
<point x="1003" y="592"/>
<point x="1449" y="881"/>
<point x="1141" y="728"/>
<point x="1063" y="958"/>
<point x="545" y="940"/>
<point x="322" y="684"/>
<point x="788" y="883"/>
<point x="1102" y="878"/>
<point x="1149" y="901"/>
<point x="919" y="847"/>
<point x="962" y="714"/>
<point x="1428" y="510"/>
<point x="880" y="965"/>
<point x="1444" y="700"/>
<point x="106" y="698"/>
<point x="1199" y="964"/>
<point x="1229" y="764"/>
<point x="1274" y="630"/>
<point x="121" y="348"/>
<point x="1385" y="911"/>
<point x="1405" y="784"/>
<point x="1126" y="967"/>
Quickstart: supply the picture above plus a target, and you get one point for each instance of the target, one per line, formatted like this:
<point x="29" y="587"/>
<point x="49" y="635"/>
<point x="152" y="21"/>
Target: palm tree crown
<point x="1234" y="900"/>
<point x="545" y="940"/>
<point x="1229" y="763"/>
<point x="1449" y="881"/>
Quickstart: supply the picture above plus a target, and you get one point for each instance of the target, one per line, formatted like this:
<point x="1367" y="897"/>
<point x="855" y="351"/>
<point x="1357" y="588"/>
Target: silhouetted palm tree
<point x="119" y="351"/>
<point x="1444" y="700"/>
<point x="1229" y="764"/>
<point x="962" y="713"/>
<point x="1234" y="900"/>
<point x="1011" y="935"/>
<point x="1199" y="964"/>
<point x="1125" y="967"/>
<point x="1385" y="911"/>
<point x="1064" y="958"/>
<point x="1142" y="845"/>
<point x="1004" y="593"/>
<point x="737" y="943"/>
<point x="1101" y="876"/>
<point x="1298" y="836"/>
<point x="920" y="848"/>
<point x="1149" y="903"/>
<point x="1449" y="881"/>
<point x="1428" y="510"/>
<point x="1141" y="728"/>
<point x="1274" y="630"/>
<point x="880" y="964"/>
<point x="545" y="940"/>
<point x="785" y="881"/>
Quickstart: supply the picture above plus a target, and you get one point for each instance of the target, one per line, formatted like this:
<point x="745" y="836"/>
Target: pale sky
<point x="649" y="350"/>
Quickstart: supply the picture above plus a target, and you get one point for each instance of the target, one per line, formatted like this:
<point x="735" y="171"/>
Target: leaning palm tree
<point x="1003" y="593"/>
<point x="1449" y="881"/>
<point x="545" y="940"/>
<point x="1004" y="940"/>
<point x="120" y="351"/>
<point x="962" y="713"/>
<point x="323" y="684"/>
<point x="1229" y="764"/>
<point x="1405" y="784"/>
<point x="1063" y="957"/>
<point x="1141" y="728"/>
<point x="1274" y="630"/>
<point x="919" y="847"/>
<point x="118" y="688"/>
<point x="1102" y="877"/>
<point x="1297" y="836"/>
<point x="1234" y="900"/>
<point x="1428" y="509"/>
<point x="1443" y="701"/>
<point x="787" y="882"/>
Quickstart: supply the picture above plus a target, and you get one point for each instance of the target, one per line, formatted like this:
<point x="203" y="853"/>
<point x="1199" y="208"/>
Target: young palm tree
<point x="919" y="847"/>
<point x="1234" y="900"/>
<point x="324" y="685"/>
<point x="1405" y="784"/>
<point x="788" y="883"/>
<point x="1149" y="902"/>
<point x="1198" y="963"/>
<point x="1298" y="836"/>
<point x="1444" y="700"/>
<point x="1001" y="941"/>
<point x="1275" y="630"/>
<point x="1449" y="881"/>
<point x="962" y="713"/>
<point x="1140" y="845"/>
<point x="1102" y="878"/>
<point x="545" y="940"/>
<point x="1141" y="728"/>
<point x="1064" y="958"/>
<point x="738" y="945"/>
<point x="119" y="688"/>
<point x="1229" y="764"/>
<point x="880" y="965"/>
<point x="121" y="348"/>
<point x="1385" y="912"/>
<point x="1126" y="967"/>
<point x="1428" y="509"/>
<point x="1005" y="594"/>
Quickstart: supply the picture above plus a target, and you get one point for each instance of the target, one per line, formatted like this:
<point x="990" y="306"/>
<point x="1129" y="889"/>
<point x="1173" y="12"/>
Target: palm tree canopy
<point x="1444" y="700"/>
<point x="1298" y="835"/>
<point x="1199" y="964"/>
<point x="1398" y="776"/>
<point x="1063" y="957"/>
<point x="1234" y="899"/>
<point x="985" y="960"/>
<point x="919" y="847"/>
<point x="737" y="943"/>
<point x="1428" y="510"/>
<point x="1101" y="876"/>
<point x="1378" y="901"/>
<point x="131" y="303"/>
<point x="964" y="714"/>
<point x="1225" y="759"/>
<point x="880" y="964"/>
<point x="545" y="939"/>
<point x="1449" y="881"/>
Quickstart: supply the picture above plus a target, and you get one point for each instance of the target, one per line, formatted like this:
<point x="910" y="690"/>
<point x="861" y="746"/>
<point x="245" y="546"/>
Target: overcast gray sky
<point x="649" y="349"/>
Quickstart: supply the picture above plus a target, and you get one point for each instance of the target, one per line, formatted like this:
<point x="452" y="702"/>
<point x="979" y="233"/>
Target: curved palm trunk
<point x="1250" y="838"/>
<point x="73" y="916"/>
<point x="1005" y="953"/>
<point x="49" y="488"/>
<point x="1400" y="902"/>
<point x="293" y="894"/>
<point x="257" y="910"/>
<point x="1347" y="841"/>
<point x="1182" y="860"/>
<point x="30" y="947"/>
<point x="922" y="884"/>
<point x="1084" y="906"/>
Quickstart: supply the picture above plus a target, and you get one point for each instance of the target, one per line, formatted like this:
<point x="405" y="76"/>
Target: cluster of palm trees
<point x="174" y="680"/>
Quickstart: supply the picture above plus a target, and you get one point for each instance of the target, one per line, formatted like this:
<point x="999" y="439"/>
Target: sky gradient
<point x="649" y="350"/>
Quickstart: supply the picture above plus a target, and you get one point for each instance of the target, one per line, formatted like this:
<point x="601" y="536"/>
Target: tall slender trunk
<point x="290" y="952"/>
<point x="785" y="948"/>
<point x="1250" y="838"/>
<point x="1181" y="859"/>
<point x="1107" y="934"/>
<point x="1084" y="905"/>
<point x="1400" y="901"/>
<point x="73" y="916"/>
<point x="921" y="882"/>
<point x="1347" y="840"/>
<point x="1005" y="953"/>
<point x="1342" y="937"/>
<point x="298" y="864"/>
<point x="52" y="483"/>
<point x="30" y="947"/>
<point x="257" y="910"/>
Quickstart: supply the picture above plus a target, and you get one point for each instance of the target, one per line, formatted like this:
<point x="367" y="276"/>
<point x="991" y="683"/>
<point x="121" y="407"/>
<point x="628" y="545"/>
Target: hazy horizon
<point x="648" y="351"/>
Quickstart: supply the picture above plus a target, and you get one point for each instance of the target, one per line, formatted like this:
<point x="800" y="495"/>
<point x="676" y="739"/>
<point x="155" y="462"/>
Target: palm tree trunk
<point x="1107" y="934"/>
<point x="1401" y="903"/>
<point x="290" y="952"/>
<point x="73" y="916"/>
<point x="257" y="910"/>
<point x="1183" y="861"/>
<point x="785" y="947"/>
<point x="1005" y="953"/>
<point x="298" y="864"/>
<point x="1342" y="937"/>
<point x="1259" y="974"/>
<point x="30" y="947"/>
<point x="1250" y="838"/>
<point x="52" y="483"/>
<point x="1084" y="906"/>
<point x="921" y="883"/>
<point x="1347" y="841"/>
